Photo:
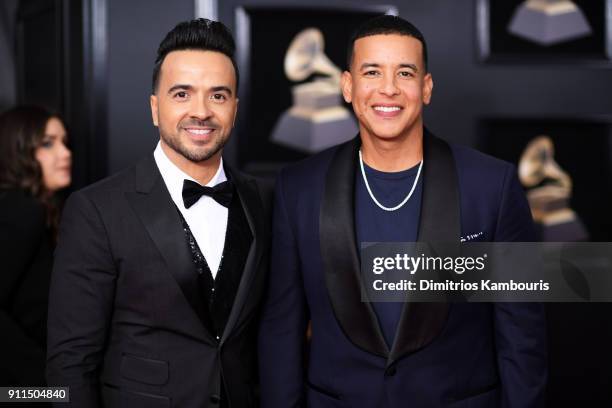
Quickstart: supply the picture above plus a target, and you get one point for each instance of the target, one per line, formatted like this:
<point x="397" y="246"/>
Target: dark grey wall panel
<point x="136" y="28"/>
<point x="8" y="89"/>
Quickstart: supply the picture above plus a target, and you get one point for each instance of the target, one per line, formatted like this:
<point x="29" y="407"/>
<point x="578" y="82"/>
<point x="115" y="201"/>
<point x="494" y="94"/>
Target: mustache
<point x="199" y="123"/>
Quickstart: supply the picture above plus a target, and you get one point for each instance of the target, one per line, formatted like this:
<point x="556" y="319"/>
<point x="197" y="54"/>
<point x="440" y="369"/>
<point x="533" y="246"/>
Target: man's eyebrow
<point x="221" y="88"/>
<point x="369" y="65"/>
<point x="183" y="87"/>
<point x="411" y="66"/>
<point x="366" y="65"/>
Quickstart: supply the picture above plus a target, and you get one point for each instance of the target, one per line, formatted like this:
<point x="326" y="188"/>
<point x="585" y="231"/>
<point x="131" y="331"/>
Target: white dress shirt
<point x="207" y="219"/>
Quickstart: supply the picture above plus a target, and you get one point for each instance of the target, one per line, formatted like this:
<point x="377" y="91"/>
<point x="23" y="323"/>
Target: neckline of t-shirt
<point x="396" y="175"/>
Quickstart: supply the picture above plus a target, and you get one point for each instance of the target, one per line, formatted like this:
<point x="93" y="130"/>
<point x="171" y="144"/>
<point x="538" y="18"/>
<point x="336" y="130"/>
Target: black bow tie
<point x="221" y="193"/>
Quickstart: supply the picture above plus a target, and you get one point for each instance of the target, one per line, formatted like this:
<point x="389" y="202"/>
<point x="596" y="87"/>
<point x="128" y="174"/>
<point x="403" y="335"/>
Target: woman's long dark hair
<point x="22" y="130"/>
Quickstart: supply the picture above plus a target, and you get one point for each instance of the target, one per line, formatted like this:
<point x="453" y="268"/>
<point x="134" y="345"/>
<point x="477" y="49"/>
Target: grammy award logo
<point x="317" y="120"/>
<point x="549" y="192"/>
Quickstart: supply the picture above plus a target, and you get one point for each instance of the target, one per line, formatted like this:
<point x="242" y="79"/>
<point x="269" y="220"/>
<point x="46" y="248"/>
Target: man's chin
<point x="391" y="133"/>
<point x="199" y="156"/>
<point x="386" y="135"/>
<point x="195" y="152"/>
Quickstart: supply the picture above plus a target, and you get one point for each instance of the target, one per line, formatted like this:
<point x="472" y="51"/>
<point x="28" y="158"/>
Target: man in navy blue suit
<point x="395" y="182"/>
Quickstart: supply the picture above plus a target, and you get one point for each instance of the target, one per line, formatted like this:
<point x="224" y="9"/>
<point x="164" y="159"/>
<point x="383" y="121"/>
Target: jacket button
<point x="215" y="399"/>
<point x="390" y="372"/>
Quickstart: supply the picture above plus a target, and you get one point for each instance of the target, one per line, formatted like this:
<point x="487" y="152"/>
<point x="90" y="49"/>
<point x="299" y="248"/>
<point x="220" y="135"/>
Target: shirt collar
<point x="173" y="176"/>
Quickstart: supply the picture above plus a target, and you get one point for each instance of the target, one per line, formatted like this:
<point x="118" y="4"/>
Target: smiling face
<point x="387" y="86"/>
<point x="195" y="105"/>
<point x="54" y="157"/>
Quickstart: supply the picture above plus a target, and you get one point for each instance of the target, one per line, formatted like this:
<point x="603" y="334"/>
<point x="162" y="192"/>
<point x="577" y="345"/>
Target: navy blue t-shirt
<point x="373" y="224"/>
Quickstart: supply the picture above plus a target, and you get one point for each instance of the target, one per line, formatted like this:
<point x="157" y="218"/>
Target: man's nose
<point x="200" y="109"/>
<point x="388" y="86"/>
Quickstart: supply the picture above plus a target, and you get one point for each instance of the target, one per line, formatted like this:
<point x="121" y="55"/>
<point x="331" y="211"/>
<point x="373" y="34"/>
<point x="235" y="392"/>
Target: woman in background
<point x="34" y="165"/>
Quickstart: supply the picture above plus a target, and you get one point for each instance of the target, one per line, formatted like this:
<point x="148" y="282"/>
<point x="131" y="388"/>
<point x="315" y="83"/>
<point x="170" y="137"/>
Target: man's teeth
<point x="387" y="108"/>
<point x="199" y="131"/>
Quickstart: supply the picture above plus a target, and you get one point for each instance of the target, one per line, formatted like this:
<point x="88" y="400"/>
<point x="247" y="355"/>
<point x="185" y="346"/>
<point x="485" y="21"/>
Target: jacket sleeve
<point x="22" y="231"/>
<point x="80" y="302"/>
<point x="520" y="328"/>
<point x="284" y="318"/>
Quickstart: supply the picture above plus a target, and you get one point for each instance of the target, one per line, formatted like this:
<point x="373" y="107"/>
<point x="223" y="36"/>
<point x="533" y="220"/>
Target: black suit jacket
<point x="26" y="256"/>
<point x="123" y="328"/>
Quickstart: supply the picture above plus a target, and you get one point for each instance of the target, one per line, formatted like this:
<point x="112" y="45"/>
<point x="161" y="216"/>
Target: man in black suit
<point x="159" y="270"/>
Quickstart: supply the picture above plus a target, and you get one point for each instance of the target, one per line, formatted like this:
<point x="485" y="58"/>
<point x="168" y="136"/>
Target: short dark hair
<point x="385" y="24"/>
<point x="199" y="34"/>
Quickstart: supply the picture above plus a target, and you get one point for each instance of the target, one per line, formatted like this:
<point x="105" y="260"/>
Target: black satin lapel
<point x="159" y="215"/>
<point x="339" y="252"/>
<point x="420" y="323"/>
<point x="253" y="209"/>
<point x="440" y="209"/>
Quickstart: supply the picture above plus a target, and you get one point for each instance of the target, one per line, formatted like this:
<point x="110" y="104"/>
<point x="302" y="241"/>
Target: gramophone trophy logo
<point x="317" y="120"/>
<point x="549" y="192"/>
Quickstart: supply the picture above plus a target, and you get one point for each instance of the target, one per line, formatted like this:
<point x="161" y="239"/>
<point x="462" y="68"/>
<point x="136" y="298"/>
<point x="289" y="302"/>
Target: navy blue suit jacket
<point x="455" y="355"/>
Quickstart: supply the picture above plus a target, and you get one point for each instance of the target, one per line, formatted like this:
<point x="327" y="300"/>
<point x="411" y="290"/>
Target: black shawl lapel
<point x="339" y="252"/>
<point x="253" y="209"/>
<point x="158" y="213"/>
<point x="420" y="323"/>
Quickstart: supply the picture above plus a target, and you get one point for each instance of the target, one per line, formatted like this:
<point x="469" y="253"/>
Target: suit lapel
<point x="253" y="209"/>
<point x="339" y="252"/>
<point x="158" y="213"/>
<point x="420" y="323"/>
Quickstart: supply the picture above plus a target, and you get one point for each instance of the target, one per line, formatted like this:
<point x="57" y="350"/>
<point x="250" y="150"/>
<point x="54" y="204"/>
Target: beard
<point x="195" y="154"/>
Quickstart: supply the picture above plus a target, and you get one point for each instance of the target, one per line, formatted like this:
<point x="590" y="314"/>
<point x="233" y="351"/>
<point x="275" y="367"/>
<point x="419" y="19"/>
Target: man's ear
<point x="427" y="88"/>
<point x="154" y="110"/>
<point x="346" y="84"/>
